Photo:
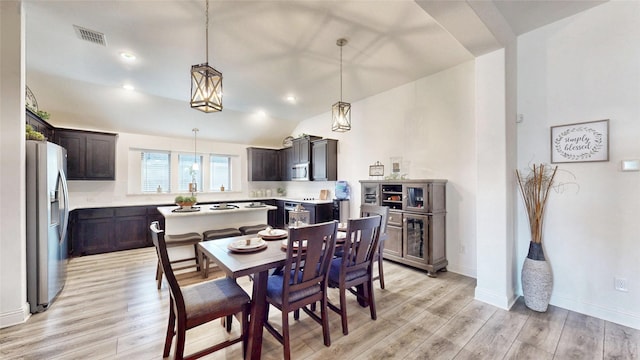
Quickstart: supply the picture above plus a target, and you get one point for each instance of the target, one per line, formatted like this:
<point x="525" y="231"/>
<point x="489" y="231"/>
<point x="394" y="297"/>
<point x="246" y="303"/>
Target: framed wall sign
<point x="581" y="142"/>
<point x="376" y="169"/>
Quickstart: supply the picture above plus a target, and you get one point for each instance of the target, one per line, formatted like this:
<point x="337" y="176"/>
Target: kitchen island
<point x="211" y="217"/>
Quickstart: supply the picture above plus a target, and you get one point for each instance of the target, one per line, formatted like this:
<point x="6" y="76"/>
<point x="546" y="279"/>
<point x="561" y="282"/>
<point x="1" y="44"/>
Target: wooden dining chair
<point x="304" y="280"/>
<point x="355" y="267"/>
<point x="383" y="211"/>
<point x="197" y="304"/>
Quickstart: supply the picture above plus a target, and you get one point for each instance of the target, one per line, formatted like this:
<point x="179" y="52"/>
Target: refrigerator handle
<point x="65" y="193"/>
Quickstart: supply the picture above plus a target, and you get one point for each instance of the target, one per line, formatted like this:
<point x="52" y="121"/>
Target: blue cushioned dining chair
<point x="303" y="280"/>
<point x="355" y="267"/>
<point x="194" y="305"/>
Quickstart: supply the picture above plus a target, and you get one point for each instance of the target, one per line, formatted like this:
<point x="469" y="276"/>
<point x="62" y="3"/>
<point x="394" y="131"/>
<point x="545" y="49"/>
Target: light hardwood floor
<point x="110" y="309"/>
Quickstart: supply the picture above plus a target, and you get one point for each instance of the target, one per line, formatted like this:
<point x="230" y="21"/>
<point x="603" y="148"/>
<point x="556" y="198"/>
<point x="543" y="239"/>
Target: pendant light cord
<point x="207" y="32"/>
<point x="195" y="142"/>
<point x="341" y="73"/>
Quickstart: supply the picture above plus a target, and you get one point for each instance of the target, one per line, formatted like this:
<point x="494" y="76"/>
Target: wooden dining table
<point x="258" y="264"/>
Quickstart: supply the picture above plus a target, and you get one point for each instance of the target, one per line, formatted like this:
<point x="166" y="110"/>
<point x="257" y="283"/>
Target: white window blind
<point x="187" y="174"/>
<point x="156" y="171"/>
<point x="220" y="172"/>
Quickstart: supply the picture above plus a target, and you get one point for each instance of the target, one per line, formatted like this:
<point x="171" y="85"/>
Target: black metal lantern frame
<point x="206" y="88"/>
<point x="206" y="82"/>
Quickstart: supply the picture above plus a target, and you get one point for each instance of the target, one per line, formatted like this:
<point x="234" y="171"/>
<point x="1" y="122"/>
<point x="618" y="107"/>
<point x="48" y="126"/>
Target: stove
<point x="308" y="198"/>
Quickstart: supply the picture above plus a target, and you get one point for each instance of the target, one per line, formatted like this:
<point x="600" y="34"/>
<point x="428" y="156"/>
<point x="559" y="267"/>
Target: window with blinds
<point x="187" y="172"/>
<point x="220" y="172"/>
<point x="156" y="171"/>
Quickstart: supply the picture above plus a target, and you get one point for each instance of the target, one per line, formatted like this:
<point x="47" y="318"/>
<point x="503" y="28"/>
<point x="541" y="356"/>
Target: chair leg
<point x="286" y="341"/>
<point x="170" y="332"/>
<point x="197" y="257"/>
<point x="159" y="274"/>
<point x="228" y="322"/>
<point x="371" y="300"/>
<point x="245" y="330"/>
<point x="324" y="315"/>
<point x="343" y="309"/>
<point x="380" y="272"/>
<point x="181" y="334"/>
<point x="296" y="314"/>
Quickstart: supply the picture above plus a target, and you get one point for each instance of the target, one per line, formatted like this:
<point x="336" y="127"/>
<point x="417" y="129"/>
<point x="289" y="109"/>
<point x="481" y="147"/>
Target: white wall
<point x="586" y="68"/>
<point x="13" y="285"/>
<point x="430" y="123"/>
<point x="121" y="192"/>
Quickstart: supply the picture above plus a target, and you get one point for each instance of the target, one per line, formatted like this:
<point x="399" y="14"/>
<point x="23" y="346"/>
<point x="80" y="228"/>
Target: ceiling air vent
<point x="90" y="35"/>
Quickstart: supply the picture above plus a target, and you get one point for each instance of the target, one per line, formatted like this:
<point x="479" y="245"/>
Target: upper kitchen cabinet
<point x="40" y="125"/>
<point x="286" y="163"/>
<point x="324" y="161"/>
<point x="302" y="149"/>
<point x="90" y="155"/>
<point x="263" y="164"/>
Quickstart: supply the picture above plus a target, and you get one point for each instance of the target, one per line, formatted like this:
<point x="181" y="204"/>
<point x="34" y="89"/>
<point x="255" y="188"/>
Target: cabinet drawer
<point x="395" y="218"/>
<point x="95" y="213"/>
<point x="131" y="211"/>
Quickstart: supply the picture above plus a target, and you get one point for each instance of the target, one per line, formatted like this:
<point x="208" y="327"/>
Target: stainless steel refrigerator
<point x="47" y="220"/>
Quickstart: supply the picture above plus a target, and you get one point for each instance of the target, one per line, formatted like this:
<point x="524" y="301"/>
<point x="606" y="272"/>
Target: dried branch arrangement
<point x="535" y="187"/>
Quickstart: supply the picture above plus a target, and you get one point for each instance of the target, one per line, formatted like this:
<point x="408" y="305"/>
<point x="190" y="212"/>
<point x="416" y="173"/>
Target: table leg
<point x="258" y="310"/>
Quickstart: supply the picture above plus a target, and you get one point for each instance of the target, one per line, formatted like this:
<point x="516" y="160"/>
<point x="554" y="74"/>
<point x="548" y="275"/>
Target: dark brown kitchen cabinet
<point x="102" y="230"/>
<point x="40" y="125"/>
<point x="90" y="155"/>
<point x="301" y="153"/>
<point x="131" y="228"/>
<point x="324" y="160"/>
<point x="286" y="163"/>
<point x="263" y="164"/>
<point x="417" y="220"/>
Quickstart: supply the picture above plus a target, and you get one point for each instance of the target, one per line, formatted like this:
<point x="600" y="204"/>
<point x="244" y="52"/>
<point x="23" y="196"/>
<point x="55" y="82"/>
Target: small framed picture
<point x="580" y="142"/>
<point x="376" y="169"/>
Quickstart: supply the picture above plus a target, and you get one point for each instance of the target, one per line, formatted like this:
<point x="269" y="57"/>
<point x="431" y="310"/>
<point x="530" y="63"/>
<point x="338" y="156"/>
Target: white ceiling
<point x="266" y="50"/>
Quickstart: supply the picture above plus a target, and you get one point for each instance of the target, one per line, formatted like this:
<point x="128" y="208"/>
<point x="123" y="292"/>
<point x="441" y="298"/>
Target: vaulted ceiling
<point x="266" y="50"/>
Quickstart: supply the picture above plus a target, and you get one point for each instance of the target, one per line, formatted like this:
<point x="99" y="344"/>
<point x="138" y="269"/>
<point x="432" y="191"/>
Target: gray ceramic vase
<point x="537" y="281"/>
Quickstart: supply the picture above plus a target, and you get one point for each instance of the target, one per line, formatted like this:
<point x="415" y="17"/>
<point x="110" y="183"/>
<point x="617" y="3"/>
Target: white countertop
<point x="315" y="201"/>
<point x="206" y="210"/>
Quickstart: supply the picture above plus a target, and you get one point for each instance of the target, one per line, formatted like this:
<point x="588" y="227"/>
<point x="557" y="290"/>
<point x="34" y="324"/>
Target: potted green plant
<point x="185" y="202"/>
<point x="31" y="134"/>
<point x="537" y="280"/>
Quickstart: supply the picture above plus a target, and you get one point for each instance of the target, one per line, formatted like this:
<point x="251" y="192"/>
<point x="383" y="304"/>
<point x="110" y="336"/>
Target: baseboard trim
<point x="497" y="300"/>
<point x="618" y="316"/>
<point x="15" y="317"/>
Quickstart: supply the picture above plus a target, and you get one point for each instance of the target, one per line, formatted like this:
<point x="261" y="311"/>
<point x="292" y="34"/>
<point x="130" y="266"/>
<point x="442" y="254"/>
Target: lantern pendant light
<point x="341" y="111"/>
<point x="206" y="82"/>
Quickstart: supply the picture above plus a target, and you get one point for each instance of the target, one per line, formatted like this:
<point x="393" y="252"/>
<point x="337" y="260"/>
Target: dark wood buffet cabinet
<point x="417" y="220"/>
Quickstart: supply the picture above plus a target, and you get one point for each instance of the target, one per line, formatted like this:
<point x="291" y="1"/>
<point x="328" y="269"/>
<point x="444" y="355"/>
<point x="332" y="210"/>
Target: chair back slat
<point x="361" y="243"/>
<point x="308" y="266"/>
<point x="157" y="236"/>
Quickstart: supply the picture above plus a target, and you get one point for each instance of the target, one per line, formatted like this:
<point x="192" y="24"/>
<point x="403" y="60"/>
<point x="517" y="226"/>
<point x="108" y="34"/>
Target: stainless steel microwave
<point x="300" y="172"/>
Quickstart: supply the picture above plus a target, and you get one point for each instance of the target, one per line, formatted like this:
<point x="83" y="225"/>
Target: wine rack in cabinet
<point x="417" y="220"/>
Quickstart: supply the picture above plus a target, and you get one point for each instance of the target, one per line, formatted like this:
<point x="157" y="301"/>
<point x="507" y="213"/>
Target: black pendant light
<point x="206" y="82"/>
<point x="341" y="111"/>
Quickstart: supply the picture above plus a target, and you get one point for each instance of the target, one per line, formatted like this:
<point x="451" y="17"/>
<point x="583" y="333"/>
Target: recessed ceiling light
<point x="127" y="56"/>
<point x="128" y="87"/>
<point x="291" y="99"/>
